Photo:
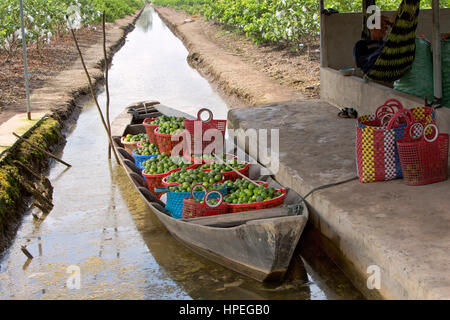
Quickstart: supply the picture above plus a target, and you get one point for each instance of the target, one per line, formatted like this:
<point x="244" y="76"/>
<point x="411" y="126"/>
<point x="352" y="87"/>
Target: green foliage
<point x="280" y="21"/>
<point x="190" y="6"/>
<point x="44" y="18"/>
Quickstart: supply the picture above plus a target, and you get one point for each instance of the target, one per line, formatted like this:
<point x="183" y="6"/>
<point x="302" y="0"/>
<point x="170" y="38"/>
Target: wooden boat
<point x="259" y="244"/>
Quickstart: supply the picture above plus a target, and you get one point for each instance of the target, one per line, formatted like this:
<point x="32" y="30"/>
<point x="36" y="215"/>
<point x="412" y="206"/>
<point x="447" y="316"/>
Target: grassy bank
<point x="45" y="135"/>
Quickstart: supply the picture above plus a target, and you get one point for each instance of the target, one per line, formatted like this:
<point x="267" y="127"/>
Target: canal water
<point x="101" y="241"/>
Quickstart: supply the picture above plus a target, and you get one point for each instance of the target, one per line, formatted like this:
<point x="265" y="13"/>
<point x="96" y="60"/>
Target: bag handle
<point x="218" y="202"/>
<point x="390" y="107"/>
<point x="436" y="135"/>
<point x="204" y="110"/>
<point x="198" y="185"/>
<point x="402" y="113"/>
<point x="416" y="131"/>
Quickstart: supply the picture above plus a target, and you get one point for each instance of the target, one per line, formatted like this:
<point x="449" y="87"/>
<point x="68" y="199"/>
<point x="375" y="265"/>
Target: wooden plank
<point x="235" y="219"/>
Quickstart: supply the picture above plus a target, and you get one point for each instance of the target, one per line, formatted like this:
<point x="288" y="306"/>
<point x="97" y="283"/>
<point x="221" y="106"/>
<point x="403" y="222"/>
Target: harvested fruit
<point x="234" y="163"/>
<point x="164" y="163"/>
<point x="149" y="149"/>
<point x="191" y="177"/>
<point x="246" y="192"/>
<point x="212" y="157"/>
<point x="135" y="138"/>
<point x="169" y="125"/>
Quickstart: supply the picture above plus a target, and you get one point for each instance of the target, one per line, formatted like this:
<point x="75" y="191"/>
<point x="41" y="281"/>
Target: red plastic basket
<point x="197" y="128"/>
<point x="155" y="180"/>
<point x="233" y="176"/>
<point x="167" y="142"/>
<point x="424" y="160"/>
<point x="195" y="160"/>
<point x="278" y="201"/>
<point x="129" y="146"/>
<point x="150" y="129"/>
<point x="193" y="209"/>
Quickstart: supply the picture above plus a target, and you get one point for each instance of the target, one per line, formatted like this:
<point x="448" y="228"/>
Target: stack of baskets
<point x="401" y="143"/>
<point x="186" y="204"/>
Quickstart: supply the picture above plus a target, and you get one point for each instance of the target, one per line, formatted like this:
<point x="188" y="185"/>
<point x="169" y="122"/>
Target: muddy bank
<point x="242" y="83"/>
<point x="21" y="166"/>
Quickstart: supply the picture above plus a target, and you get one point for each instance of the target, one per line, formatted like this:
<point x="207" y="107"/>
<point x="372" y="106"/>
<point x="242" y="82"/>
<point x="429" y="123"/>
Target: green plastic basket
<point x="446" y="72"/>
<point x="418" y="81"/>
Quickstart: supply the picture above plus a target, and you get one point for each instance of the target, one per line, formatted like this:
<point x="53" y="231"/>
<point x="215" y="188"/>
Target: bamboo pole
<point x="26" y="252"/>
<point x="106" y="81"/>
<point x="91" y="87"/>
<point x="236" y="171"/>
<point x="42" y="150"/>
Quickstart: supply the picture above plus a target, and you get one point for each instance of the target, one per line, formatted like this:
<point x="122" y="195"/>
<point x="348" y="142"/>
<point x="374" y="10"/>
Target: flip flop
<point x="348" y="113"/>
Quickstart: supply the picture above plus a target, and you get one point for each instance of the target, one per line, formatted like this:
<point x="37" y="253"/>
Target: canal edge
<point x="49" y="132"/>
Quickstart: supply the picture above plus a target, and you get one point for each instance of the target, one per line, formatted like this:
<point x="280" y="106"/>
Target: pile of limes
<point x="169" y="125"/>
<point x="135" y="138"/>
<point x="212" y="157"/>
<point x="191" y="177"/>
<point x="235" y="164"/>
<point x="164" y="163"/>
<point x="244" y="192"/>
<point x="149" y="149"/>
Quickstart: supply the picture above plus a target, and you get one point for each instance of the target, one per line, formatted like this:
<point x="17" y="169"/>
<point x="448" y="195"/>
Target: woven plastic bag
<point x="376" y="142"/>
<point x="424" y="155"/>
<point x="418" y="81"/>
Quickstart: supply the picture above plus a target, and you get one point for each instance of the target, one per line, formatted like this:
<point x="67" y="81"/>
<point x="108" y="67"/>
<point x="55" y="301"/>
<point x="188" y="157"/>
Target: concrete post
<point x="437" y="62"/>
<point x="25" y="64"/>
<point x="323" y="63"/>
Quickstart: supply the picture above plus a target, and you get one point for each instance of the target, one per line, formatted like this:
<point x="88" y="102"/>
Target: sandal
<point x="348" y="113"/>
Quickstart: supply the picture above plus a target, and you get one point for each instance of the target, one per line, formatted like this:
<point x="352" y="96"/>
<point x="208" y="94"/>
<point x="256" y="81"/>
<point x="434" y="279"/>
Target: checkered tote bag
<point x="376" y="144"/>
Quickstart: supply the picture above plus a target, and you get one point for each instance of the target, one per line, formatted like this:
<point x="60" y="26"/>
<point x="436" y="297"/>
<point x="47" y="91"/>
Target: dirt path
<point x="58" y="81"/>
<point x="247" y="73"/>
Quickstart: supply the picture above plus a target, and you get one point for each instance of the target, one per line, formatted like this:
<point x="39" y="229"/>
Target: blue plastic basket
<point x="139" y="160"/>
<point x="174" y="202"/>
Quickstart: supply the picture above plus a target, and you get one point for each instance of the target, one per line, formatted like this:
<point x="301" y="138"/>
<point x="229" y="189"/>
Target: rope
<point x="298" y="207"/>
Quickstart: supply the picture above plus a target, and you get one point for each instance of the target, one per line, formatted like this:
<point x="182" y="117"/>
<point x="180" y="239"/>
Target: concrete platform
<point x="18" y="124"/>
<point x="404" y="230"/>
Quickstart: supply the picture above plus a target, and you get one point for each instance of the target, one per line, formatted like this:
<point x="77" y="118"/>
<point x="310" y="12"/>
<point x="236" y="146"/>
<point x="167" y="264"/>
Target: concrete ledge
<point x="367" y="96"/>
<point x="401" y="229"/>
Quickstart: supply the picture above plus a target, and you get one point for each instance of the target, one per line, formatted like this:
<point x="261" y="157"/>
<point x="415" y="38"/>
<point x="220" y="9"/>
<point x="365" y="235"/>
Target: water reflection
<point x="145" y="22"/>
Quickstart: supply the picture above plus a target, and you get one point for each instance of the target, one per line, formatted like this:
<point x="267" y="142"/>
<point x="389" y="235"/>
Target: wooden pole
<point x="41" y="150"/>
<point x="106" y="81"/>
<point x="437" y="62"/>
<point x="236" y="171"/>
<point x="91" y="87"/>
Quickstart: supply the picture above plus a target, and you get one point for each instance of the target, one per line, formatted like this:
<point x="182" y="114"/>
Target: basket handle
<point x="205" y="110"/>
<point x="402" y="113"/>
<point x="198" y="185"/>
<point x="390" y="107"/>
<point x="218" y="203"/>
<point x="416" y="131"/>
<point x="436" y="135"/>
